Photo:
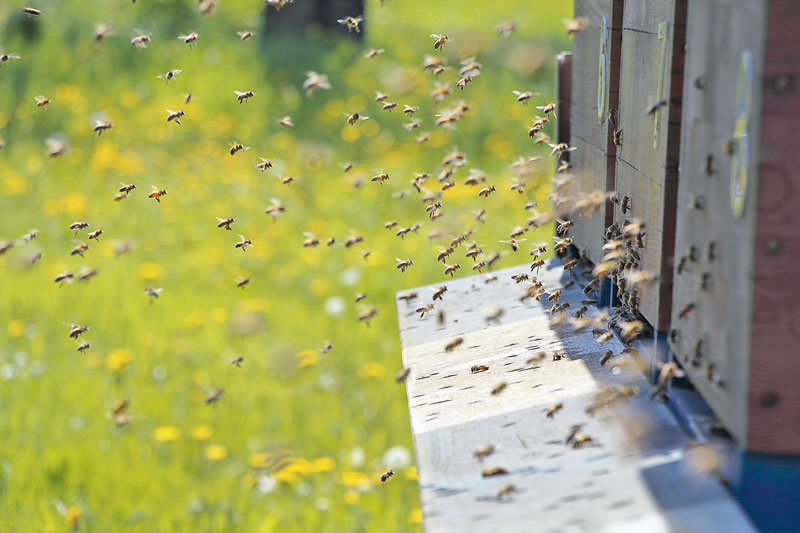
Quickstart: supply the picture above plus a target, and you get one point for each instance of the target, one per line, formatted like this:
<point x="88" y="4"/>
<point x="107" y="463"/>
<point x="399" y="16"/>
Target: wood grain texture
<point x="644" y="173"/>
<point x="774" y="368"/>
<point x="615" y="482"/>
<point x="715" y="338"/>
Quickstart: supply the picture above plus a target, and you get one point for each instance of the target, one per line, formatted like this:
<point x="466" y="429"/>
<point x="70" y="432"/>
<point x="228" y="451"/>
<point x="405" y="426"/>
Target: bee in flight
<point x="77" y="226"/>
<point x="100" y="127"/>
<point x="523" y="96"/>
<point x="355" y="117"/>
<point x="42" y="101"/>
<point x="190" y="39"/>
<point x="31" y="11"/>
<point x="96" y="234"/>
<point x="243" y="243"/>
<point x="386" y="475"/>
<point x="237" y="361"/>
<point x="236" y="147"/>
<point x="126" y="188"/>
<point x="241" y="282"/>
<point x="157" y="193"/>
<point x="244" y="35"/>
<point x="275" y="209"/>
<point x="373" y="52"/>
<point x="75" y="330"/>
<point x="380" y="178"/>
<point x="367" y="315"/>
<point x="169" y="75"/>
<point x="352" y="23"/>
<point x="244" y="96"/>
<point x="6" y="57"/>
<point x="439" y="40"/>
<point x="286" y="122"/>
<point x="225" y="223"/>
<point x="263" y="164"/>
<point x="403" y="264"/>
<point x="214" y="396"/>
<point x="547" y="109"/>
<point x="153" y="293"/>
<point x="315" y="81"/>
<point x="175" y="115"/>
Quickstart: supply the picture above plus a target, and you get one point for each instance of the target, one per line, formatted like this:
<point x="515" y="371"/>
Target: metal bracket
<point x="663" y="32"/>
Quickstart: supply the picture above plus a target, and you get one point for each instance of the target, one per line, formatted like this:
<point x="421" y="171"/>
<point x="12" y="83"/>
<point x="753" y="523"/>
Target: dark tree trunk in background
<point x="296" y="16"/>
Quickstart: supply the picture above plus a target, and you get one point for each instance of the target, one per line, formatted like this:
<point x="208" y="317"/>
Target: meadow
<point x="301" y="435"/>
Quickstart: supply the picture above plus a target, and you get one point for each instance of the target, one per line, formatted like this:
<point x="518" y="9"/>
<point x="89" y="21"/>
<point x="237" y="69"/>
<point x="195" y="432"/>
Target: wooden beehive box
<point x="735" y="299"/>
<point x="651" y="82"/>
<point x="595" y="89"/>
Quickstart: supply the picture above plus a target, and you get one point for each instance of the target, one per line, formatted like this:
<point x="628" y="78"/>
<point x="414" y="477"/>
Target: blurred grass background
<point x="300" y="437"/>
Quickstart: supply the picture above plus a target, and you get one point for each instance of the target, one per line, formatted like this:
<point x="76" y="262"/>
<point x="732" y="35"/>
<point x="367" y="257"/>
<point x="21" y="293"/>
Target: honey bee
<point x="275" y="209"/>
<point x="388" y="106"/>
<point x="486" y="191"/>
<point x="618" y="137"/>
<point x="326" y="347"/>
<point x="314" y="82"/>
<point x="380" y="178"/>
<point x="548" y="108"/>
<point x="684" y="312"/>
<point x="451" y="269"/>
<point x="57" y="146"/>
<point x="423" y="137"/>
<point x="75" y="330"/>
<point x="625" y="206"/>
<point x="561" y="148"/>
<point x="244" y="35"/>
<point x="83" y="346"/>
<point x="42" y="101"/>
<point x="214" y="396"/>
<point x="576" y="25"/>
<point x="606" y="357"/>
<point x="157" y="193"/>
<point x="6" y="57"/>
<point x="175" y="115"/>
<point x="207" y="7"/>
<point x="367" y="315"/>
<point x="86" y="273"/>
<point x="477" y="369"/>
<point x="96" y="234"/>
<point x="241" y="282"/>
<point x="402" y="375"/>
<point x="444" y="254"/>
<point x="286" y="122"/>
<point x="390" y="224"/>
<point x="330" y="242"/>
<point x="438" y="292"/>
<point x="495" y="315"/>
<point x="408" y="296"/>
<point x="439" y="40"/>
<point x="484" y="451"/>
<point x="523" y="96"/>
<point x="562" y="226"/>
<point x="570" y="265"/>
<point x="32" y="234"/>
<point x="352" y="23"/>
<point x="79" y="249"/>
<point x="479" y="266"/>
<point x="225" y="223"/>
<point x="31" y="11"/>
<point x="500" y="387"/>
<point x="386" y="475"/>
<point x="440" y="92"/>
<point x="424" y="309"/>
<point x="561" y="245"/>
<point x="355" y="117"/>
<point x="494" y="471"/>
<point x="263" y="164"/>
<point x="410" y="110"/>
<point x="169" y="75"/>
<point x="190" y="39"/>
<point x="453" y="344"/>
<point x="555" y="295"/>
<point x="100" y="127"/>
<point x="519" y="278"/>
<point x="153" y="292"/>
<point x="373" y="52"/>
<point x="311" y="242"/>
<point x="403" y="264"/>
<point x="119" y="406"/>
<point x="579" y="440"/>
<point x="514" y="243"/>
<point x="243" y="243"/>
<point x="412" y="124"/>
<point x="536" y="265"/>
<point x="237" y="361"/>
<point x="553" y="409"/>
<point x="474" y="253"/>
<point x="5" y="246"/>
<point x="461" y="83"/>
<point x="244" y="96"/>
<point x="64" y="276"/>
<point x="352" y="240"/>
<point x="236" y="147"/>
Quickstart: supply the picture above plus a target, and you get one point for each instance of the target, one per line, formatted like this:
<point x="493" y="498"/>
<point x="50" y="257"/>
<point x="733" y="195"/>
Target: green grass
<point x="59" y="446"/>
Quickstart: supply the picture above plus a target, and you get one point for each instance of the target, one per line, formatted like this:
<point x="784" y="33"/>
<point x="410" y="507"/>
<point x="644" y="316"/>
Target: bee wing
<point x="242" y="237"/>
<point x="154" y="188"/>
<point x="170" y="111"/>
<point x="364" y="117"/>
<point x="245" y="148"/>
<point x="342" y="21"/>
<point x="435" y="36"/>
<point x="176" y="72"/>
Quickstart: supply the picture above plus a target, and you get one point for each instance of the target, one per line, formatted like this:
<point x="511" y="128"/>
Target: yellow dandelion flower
<point x="307" y="358"/>
<point x="354" y="478"/>
<point x="259" y="460"/>
<point x="52" y="207"/>
<point x="323" y="464"/>
<point x="372" y="370"/>
<point x="411" y="473"/>
<point x="75" y="204"/>
<point x="150" y="271"/>
<point x="216" y="452"/>
<point x="14" y="184"/>
<point x="16" y="328"/>
<point x="119" y="358"/>
<point x="219" y="315"/>
<point x="351" y="497"/>
<point x="73" y="514"/>
<point x="195" y="319"/>
<point x="166" y="433"/>
<point x="415" y="516"/>
<point x="202" y="432"/>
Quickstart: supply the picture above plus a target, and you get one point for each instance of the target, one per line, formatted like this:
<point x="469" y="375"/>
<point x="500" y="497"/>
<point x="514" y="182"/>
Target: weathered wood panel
<point x="647" y="161"/>
<point x="713" y="283"/>
<point x="592" y="170"/>
<point x="595" y="91"/>
<point x="614" y="482"/>
<point x="774" y="397"/>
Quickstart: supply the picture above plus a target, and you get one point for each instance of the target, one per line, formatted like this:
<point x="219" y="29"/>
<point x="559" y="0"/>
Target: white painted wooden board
<point x="615" y="483"/>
